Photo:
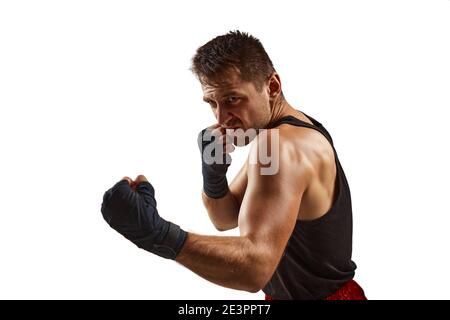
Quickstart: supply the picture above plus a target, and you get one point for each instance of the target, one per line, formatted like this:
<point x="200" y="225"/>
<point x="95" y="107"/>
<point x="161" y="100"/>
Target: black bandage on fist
<point x="134" y="215"/>
<point x="214" y="168"/>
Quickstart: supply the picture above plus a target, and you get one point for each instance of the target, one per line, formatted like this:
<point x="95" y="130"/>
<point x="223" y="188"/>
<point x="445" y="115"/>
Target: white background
<point x="91" y="91"/>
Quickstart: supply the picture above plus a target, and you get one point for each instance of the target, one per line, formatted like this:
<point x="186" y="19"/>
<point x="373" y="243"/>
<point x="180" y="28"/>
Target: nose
<point x="222" y="115"/>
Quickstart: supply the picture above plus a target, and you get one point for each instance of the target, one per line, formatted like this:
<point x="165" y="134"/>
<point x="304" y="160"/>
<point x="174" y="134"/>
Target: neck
<point x="281" y="108"/>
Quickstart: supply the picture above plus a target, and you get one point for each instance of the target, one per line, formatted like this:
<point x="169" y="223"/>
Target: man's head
<point x="238" y="80"/>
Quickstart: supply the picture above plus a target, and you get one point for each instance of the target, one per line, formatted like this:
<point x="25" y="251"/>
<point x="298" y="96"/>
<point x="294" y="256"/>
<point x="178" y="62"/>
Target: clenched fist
<point x="129" y="207"/>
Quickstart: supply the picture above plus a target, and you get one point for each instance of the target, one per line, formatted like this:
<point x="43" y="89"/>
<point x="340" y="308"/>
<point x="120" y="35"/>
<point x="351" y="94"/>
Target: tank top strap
<point x="300" y="123"/>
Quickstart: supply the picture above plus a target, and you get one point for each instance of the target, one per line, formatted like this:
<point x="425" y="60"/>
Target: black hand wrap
<point x="214" y="169"/>
<point x="133" y="214"/>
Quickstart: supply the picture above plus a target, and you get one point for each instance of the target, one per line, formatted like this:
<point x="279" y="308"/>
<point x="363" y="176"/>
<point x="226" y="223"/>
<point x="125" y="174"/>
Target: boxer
<point x="295" y="221"/>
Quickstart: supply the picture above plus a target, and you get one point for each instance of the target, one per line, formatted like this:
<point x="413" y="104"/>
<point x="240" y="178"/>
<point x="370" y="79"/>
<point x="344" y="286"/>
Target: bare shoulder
<point x="309" y="144"/>
<point x="315" y="151"/>
<point x="276" y="155"/>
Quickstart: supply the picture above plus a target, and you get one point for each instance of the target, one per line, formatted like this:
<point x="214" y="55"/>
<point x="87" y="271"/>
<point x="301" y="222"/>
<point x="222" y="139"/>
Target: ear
<point x="274" y="87"/>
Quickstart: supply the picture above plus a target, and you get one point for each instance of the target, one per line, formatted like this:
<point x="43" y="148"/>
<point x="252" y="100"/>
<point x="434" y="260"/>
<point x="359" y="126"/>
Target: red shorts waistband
<point x="349" y="291"/>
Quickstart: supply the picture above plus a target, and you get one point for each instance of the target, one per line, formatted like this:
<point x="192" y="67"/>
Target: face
<point x="238" y="104"/>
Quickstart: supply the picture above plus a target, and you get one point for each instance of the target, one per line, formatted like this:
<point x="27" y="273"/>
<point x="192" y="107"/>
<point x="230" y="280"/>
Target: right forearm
<point x="223" y="212"/>
<point x="222" y="207"/>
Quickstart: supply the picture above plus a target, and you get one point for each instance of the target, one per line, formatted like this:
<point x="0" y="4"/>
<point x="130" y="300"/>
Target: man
<point x="295" y="223"/>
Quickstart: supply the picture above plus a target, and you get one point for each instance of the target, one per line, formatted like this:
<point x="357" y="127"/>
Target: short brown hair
<point x="234" y="50"/>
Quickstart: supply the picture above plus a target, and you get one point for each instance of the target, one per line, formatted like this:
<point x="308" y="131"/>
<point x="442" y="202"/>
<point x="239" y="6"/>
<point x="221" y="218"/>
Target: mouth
<point x="232" y="128"/>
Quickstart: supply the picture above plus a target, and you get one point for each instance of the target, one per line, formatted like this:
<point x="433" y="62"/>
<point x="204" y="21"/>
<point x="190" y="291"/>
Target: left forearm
<point x="227" y="261"/>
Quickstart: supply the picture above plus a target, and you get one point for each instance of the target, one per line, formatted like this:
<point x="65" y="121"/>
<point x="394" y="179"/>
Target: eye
<point x="232" y="100"/>
<point x="211" y="103"/>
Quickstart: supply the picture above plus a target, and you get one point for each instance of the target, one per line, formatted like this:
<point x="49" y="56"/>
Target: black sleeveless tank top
<point x="317" y="259"/>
